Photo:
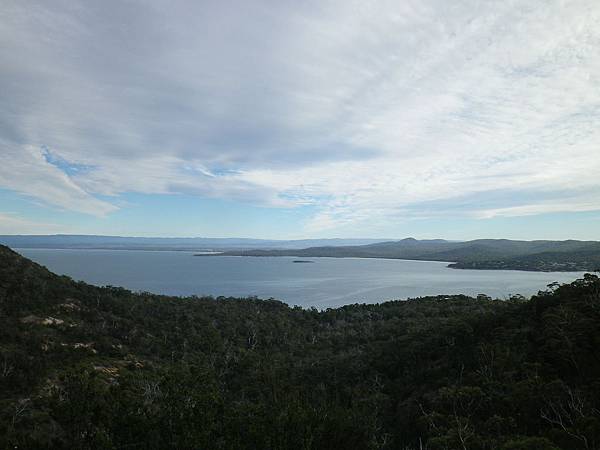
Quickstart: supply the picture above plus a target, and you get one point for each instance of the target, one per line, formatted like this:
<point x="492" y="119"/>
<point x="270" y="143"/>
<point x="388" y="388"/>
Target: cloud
<point x="26" y="170"/>
<point x="15" y="224"/>
<point x="574" y="205"/>
<point x="366" y="110"/>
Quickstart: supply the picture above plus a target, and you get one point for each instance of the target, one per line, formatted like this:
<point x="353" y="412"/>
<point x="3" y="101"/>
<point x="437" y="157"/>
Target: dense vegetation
<point x="478" y="254"/>
<point x="89" y="367"/>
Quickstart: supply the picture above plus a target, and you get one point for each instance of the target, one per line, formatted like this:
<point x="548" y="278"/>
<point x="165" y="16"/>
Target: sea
<point x="315" y="282"/>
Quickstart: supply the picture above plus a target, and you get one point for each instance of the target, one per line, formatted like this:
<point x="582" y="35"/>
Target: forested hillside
<point x="88" y="367"/>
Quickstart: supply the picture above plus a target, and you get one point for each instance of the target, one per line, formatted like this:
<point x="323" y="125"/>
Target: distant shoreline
<point x="144" y="249"/>
<point x="456" y="265"/>
<point x="548" y="256"/>
<point x="224" y="253"/>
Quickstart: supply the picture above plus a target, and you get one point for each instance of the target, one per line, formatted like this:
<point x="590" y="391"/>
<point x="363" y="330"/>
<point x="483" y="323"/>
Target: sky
<point x="292" y="119"/>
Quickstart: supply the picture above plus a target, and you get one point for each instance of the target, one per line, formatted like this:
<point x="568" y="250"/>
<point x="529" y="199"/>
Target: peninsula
<point x="490" y="254"/>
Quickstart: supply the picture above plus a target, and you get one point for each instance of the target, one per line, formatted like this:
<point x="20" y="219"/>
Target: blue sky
<point x="427" y="118"/>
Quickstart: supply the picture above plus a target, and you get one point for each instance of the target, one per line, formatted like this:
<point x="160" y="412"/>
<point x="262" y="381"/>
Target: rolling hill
<point x="568" y="255"/>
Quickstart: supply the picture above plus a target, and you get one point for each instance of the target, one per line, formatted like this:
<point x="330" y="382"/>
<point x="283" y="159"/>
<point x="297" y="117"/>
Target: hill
<point x="477" y="254"/>
<point x="90" y="367"/>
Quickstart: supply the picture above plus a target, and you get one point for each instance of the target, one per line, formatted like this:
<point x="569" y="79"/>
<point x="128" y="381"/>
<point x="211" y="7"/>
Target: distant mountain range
<point x="477" y="254"/>
<point x="70" y="241"/>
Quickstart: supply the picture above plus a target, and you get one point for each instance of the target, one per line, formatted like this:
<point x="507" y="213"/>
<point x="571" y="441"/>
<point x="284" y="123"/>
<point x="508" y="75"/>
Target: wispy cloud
<point x="25" y="169"/>
<point x="15" y="224"/>
<point x="366" y="110"/>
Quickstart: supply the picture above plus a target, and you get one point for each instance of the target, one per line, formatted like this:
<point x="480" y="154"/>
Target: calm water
<point x="328" y="282"/>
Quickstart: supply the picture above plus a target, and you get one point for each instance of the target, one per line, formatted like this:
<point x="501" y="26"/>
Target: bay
<point x="327" y="282"/>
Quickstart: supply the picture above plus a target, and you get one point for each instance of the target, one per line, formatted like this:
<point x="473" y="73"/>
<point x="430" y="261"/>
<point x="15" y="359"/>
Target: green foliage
<point x="88" y="367"/>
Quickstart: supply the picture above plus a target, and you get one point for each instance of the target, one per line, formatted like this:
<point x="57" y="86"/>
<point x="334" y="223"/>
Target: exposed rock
<point x="112" y="371"/>
<point x="81" y="345"/>
<point x="70" y="306"/>
<point x="42" y="320"/>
